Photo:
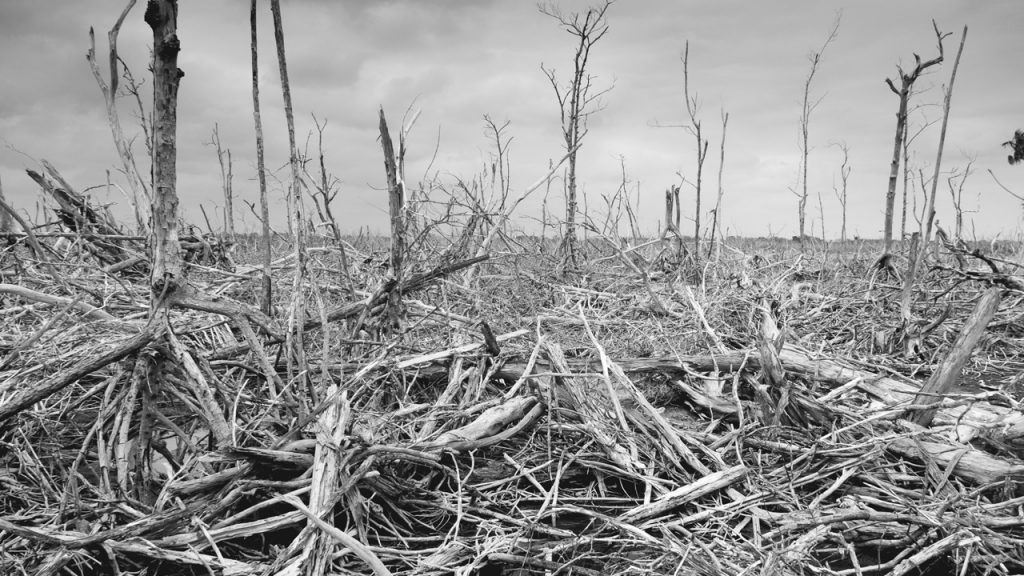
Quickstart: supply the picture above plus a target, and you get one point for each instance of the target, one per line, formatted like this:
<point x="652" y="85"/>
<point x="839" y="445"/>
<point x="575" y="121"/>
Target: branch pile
<point x="551" y="447"/>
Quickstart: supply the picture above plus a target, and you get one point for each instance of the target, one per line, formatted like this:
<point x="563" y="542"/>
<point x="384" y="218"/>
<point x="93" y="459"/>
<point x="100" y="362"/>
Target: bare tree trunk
<point x="575" y="102"/>
<point x="717" y="238"/>
<point x="327" y="197"/>
<point x="805" y="120"/>
<point x="890" y="195"/>
<point x="906" y="85"/>
<point x="136" y="183"/>
<point x="6" y="224"/>
<point x="225" y="178"/>
<point x="919" y="250"/>
<point x="930" y="209"/>
<point x="702" y="147"/>
<point x="957" y="195"/>
<point x="297" y="308"/>
<point x="166" y="276"/>
<point x="229" y="202"/>
<point x="267" y="293"/>
<point x="396" y="198"/>
<point x="844" y="174"/>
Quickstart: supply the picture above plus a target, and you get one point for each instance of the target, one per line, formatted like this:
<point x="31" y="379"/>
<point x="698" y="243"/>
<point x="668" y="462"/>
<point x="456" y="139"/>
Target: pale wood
<point x="266" y="295"/>
<point x="703" y="486"/>
<point x="166" y="275"/>
<point x="948" y="374"/>
<point x="91" y="312"/>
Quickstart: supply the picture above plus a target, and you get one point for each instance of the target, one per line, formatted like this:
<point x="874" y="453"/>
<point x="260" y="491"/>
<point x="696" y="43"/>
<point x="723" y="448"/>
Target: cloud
<point x="456" y="61"/>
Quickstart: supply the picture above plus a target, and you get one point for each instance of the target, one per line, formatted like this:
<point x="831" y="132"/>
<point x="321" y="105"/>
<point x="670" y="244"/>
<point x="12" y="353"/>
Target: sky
<point x="454" y="61"/>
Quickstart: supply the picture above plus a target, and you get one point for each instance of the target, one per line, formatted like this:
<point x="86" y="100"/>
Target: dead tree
<point x="261" y="173"/>
<point x="917" y="253"/>
<point x="956" y="192"/>
<point x="225" y="177"/>
<point x="396" y="199"/>
<point x="6" y="224"/>
<point x="904" y="91"/>
<point x="716" y="215"/>
<point x="136" y="183"/>
<point x="702" y="146"/>
<point x="908" y="139"/>
<point x="166" y="276"/>
<point x="805" y="120"/>
<point x="296" y="216"/>
<point x="841" y="195"/>
<point x="576" y="102"/>
<point x="930" y="209"/>
<point x="327" y="190"/>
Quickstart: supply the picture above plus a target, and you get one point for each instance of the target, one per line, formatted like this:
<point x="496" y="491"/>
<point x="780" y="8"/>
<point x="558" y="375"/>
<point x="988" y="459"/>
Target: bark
<point x="844" y="175"/>
<point x="267" y="292"/>
<point x="717" y="237"/>
<point x="297" y="307"/>
<point x="6" y="224"/>
<point x="396" y="199"/>
<point x="930" y="211"/>
<point x="904" y="92"/>
<point x="906" y="182"/>
<point x="166" y="276"/>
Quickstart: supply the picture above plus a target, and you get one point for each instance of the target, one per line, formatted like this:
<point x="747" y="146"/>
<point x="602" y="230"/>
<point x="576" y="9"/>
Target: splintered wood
<point x="751" y="426"/>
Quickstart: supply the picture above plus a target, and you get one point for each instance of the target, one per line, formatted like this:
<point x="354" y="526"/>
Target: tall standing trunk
<point x="575" y="103"/>
<point x="6" y="226"/>
<point x="717" y="238"/>
<point x="930" y="210"/>
<point x="297" y="308"/>
<point x="571" y="206"/>
<point x="136" y="182"/>
<point x="267" y="292"/>
<point x="166" y="275"/>
<point x="894" y="167"/>
<point x="396" y="208"/>
<point x="225" y="177"/>
<point x="805" y="121"/>
<point x="903" y="92"/>
<point x="906" y="182"/>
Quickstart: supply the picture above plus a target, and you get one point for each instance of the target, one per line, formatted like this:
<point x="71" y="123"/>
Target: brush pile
<point x="758" y="419"/>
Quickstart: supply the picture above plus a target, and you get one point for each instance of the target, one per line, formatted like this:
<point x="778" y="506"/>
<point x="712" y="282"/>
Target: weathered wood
<point x="267" y="285"/>
<point x="6" y="224"/>
<point x="701" y="487"/>
<point x="904" y="92"/>
<point x="136" y="182"/>
<point x="88" y="310"/>
<point x="396" y="199"/>
<point x="29" y="395"/>
<point x="948" y="374"/>
<point x="166" y="275"/>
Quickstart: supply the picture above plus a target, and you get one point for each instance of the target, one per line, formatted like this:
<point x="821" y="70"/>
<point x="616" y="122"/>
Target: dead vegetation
<point x="759" y="421"/>
<point x="458" y="400"/>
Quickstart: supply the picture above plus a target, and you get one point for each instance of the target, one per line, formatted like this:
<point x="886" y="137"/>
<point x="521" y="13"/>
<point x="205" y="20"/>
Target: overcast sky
<point x="456" y="61"/>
